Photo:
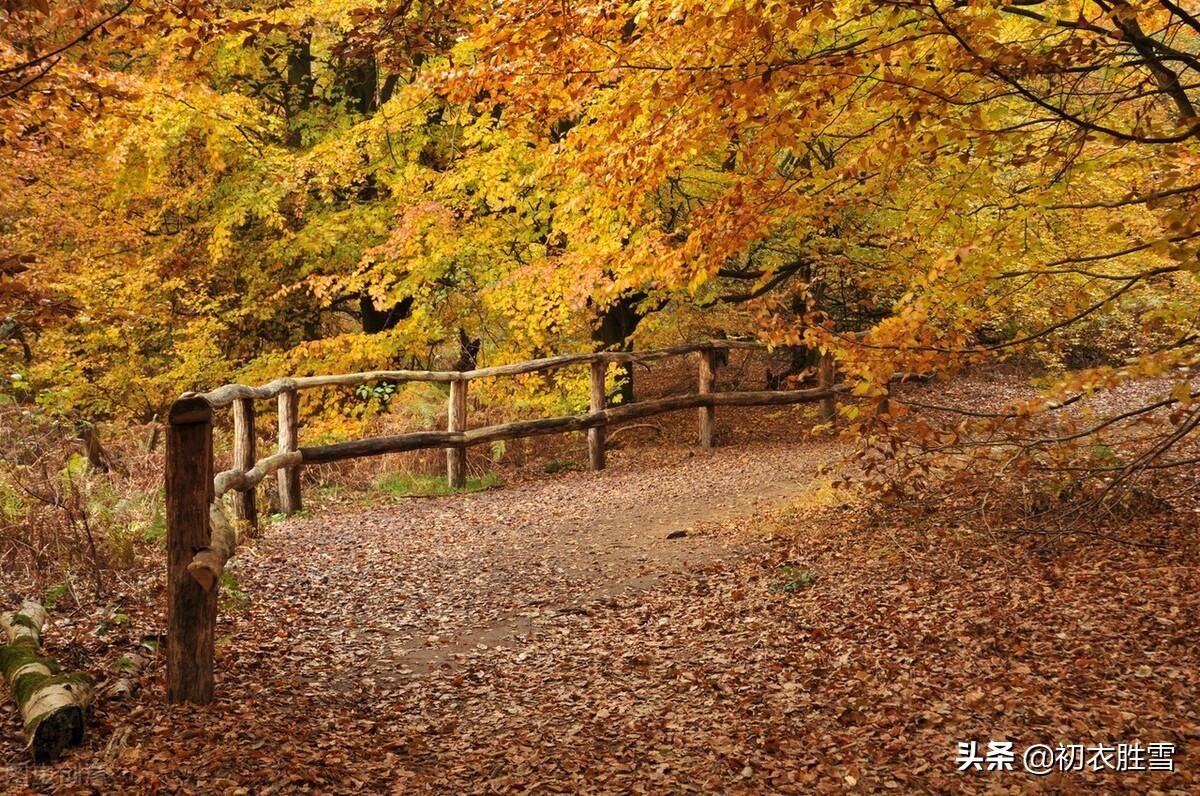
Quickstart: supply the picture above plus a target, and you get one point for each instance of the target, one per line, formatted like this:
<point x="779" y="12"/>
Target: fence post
<point x="245" y="454"/>
<point x="456" y="420"/>
<point x="707" y="414"/>
<point x="191" y="610"/>
<point x="596" y="435"/>
<point x="289" y="440"/>
<point x="825" y="379"/>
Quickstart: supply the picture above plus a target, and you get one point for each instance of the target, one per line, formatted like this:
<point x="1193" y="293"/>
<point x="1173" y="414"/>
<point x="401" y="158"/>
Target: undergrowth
<point x="70" y="521"/>
<point x="414" y="484"/>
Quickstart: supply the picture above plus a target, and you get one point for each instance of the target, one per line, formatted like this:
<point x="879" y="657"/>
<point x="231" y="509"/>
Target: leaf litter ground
<point x="550" y="637"/>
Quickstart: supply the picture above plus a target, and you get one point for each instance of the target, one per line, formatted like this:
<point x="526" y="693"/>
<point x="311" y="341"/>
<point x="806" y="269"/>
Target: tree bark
<point x="125" y="681"/>
<point x="825" y="380"/>
<point x="53" y="704"/>
<point x="299" y="90"/>
<point x="616" y="326"/>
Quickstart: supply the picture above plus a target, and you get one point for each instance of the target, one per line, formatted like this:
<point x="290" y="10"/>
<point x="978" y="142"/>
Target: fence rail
<point x="202" y="538"/>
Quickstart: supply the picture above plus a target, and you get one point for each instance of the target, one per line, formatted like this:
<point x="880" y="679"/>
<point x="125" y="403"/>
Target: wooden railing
<point x="201" y="538"/>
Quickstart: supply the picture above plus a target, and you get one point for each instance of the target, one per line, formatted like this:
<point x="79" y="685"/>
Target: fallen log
<point x="125" y="671"/>
<point x="53" y="704"/>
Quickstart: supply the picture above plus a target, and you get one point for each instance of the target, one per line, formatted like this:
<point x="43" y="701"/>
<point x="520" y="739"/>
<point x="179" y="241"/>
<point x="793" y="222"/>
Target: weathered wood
<point x="227" y="394"/>
<point x="155" y="430"/>
<point x="596" y="434"/>
<point x="376" y="446"/>
<point x="825" y="377"/>
<point x="706" y="380"/>
<point x="289" y="440"/>
<point x="201" y="538"/>
<point x="230" y="480"/>
<point x="53" y="704"/>
<point x="191" y="610"/>
<point x="99" y="458"/>
<point x="209" y="562"/>
<point x="124" y="682"/>
<point x="456" y="421"/>
<point x="244" y="456"/>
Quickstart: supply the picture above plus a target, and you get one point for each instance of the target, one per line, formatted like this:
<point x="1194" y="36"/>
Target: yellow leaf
<point x="1182" y="392"/>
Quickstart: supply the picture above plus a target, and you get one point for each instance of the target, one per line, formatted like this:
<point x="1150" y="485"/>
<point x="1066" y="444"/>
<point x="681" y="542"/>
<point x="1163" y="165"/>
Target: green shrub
<point x="405" y="484"/>
<point x="232" y="597"/>
<point x="792" y="579"/>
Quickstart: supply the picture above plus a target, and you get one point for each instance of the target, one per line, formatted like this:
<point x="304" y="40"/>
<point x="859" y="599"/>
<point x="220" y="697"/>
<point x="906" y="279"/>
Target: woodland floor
<point x="548" y="637"/>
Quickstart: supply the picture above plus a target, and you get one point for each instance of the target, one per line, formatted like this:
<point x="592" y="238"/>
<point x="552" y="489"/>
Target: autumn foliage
<point x="198" y="192"/>
<point x="984" y="213"/>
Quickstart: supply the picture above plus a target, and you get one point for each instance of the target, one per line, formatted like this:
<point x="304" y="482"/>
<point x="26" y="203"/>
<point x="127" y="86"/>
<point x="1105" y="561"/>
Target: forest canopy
<point x="462" y="396"/>
<point x="194" y="193"/>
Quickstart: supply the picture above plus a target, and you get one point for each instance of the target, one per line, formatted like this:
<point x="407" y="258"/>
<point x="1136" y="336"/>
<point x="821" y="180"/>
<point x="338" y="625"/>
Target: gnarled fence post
<point x="708" y="378"/>
<point x="456" y="420"/>
<point x="191" y="610"/>
<point x="289" y="440"/>
<point x="244" y="457"/>
<point x="596" y="435"/>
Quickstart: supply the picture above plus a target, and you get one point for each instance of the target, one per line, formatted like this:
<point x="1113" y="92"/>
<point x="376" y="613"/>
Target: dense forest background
<point x="978" y="219"/>
<point x="194" y="193"/>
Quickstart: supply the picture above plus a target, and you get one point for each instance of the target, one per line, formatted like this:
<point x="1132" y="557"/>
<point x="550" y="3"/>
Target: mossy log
<point x="53" y="704"/>
<point x="125" y="671"/>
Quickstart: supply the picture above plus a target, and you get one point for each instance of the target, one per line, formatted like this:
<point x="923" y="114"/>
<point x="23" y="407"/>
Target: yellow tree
<point x="1010" y="177"/>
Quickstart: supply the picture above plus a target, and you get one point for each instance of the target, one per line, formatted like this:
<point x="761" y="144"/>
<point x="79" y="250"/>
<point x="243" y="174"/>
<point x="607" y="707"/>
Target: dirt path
<point x="549" y="638"/>
<point x="418" y="583"/>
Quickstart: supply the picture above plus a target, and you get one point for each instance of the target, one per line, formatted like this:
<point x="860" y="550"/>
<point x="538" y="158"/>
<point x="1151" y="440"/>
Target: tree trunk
<point x="299" y="91"/>
<point x="53" y="704"/>
<point x="98" y="457"/>
<point x="617" y="323"/>
<point x="375" y="320"/>
<point x="826" y="374"/>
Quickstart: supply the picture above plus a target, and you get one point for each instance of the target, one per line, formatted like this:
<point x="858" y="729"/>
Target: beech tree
<point x="1007" y="178"/>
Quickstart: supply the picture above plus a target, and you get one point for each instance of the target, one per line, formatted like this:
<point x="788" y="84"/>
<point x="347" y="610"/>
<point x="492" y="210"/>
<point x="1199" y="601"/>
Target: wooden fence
<point x="201" y="537"/>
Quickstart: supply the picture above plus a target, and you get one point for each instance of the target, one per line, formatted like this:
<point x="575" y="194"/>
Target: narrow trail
<point x="417" y="584"/>
<point x="548" y="637"/>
